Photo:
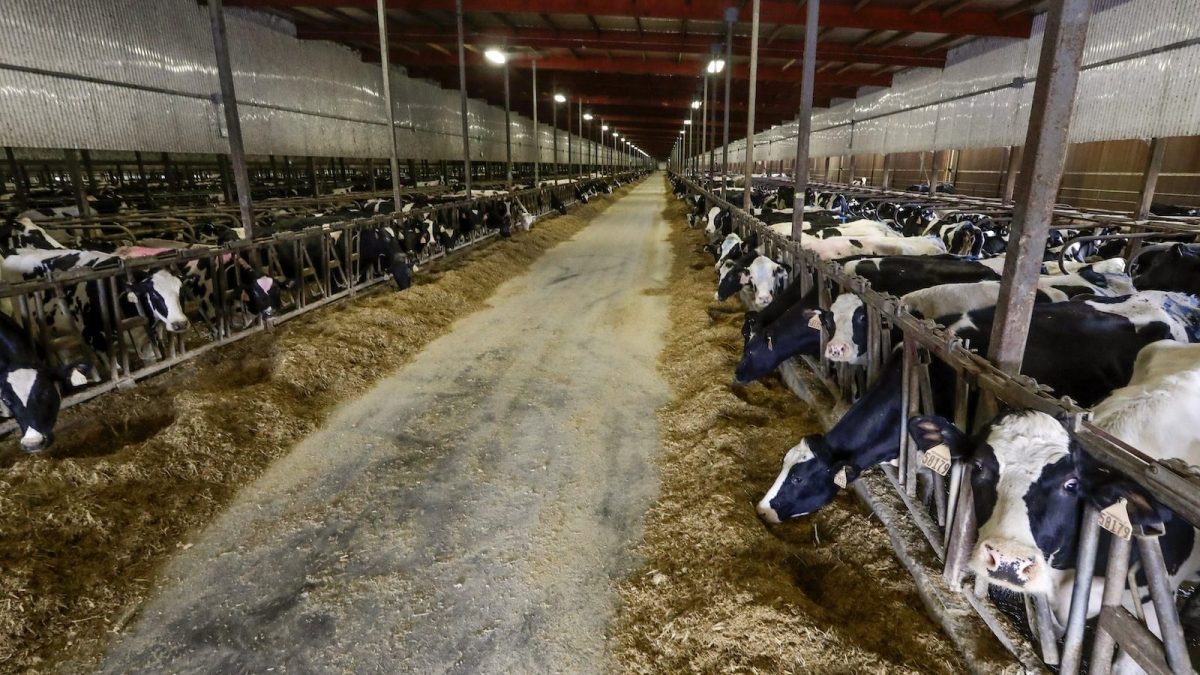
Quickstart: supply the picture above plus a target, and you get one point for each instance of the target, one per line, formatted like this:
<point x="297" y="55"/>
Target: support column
<point x="804" y="121"/>
<point x="730" y="18"/>
<point x="314" y="182"/>
<point x="1158" y="148"/>
<point x="76" y="174"/>
<point x="570" y="158"/>
<point x="508" y="171"/>
<point x="462" y="95"/>
<point x="750" y="112"/>
<point x="237" y="152"/>
<point x="887" y="171"/>
<point x="1041" y="173"/>
<point x="19" y="181"/>
<point x="389" y="107"/>
<point x="226" y="184"/>
<point x="537" y="133"/>
<point x="1010" y="174"/>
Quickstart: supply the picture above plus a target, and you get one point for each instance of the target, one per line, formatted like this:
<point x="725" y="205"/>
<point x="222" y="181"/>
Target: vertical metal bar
<point x="237" y="152"/>
<point x="1043" y="626"/>
<point x="77" y="189"/>
<point x="730" y="18"/>
<point x="1114" y="588"/>
<point x="508" y="170"/>
<point x="314" y="181"/>
<point x="554" y="128"/>
<point x="1045" y="157"/>
<point x="1010" y="174"/>
<point x="756" y="6"/>
<point x="20" y="182"/>
<point x="570" y="155"/>
<point x="385" y="70"/>
<point x="1085" y="570"/>
<point x="537" y="134"/>
<point x="1163" y="596"/>
<point x="804" y="120"/>
<point x="462" y="95"/>
<point x="1158" y="147"/>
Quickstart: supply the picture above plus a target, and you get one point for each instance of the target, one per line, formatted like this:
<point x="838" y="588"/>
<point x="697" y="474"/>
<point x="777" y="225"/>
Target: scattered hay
<point x="85" y="528"/>
<point x="719" y="591"/>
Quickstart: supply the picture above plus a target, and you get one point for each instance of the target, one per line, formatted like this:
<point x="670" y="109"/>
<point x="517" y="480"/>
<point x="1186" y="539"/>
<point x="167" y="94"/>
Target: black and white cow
<point x="1177" y="268"/>
<point x="30" y="389"/>
<point x="846" y="320"/>
<point x="1031" y="481"/>
<point x="24" y="233"/>
<point x="1105" y="336"/>
<point x="836" y="248"/>
<point x="557" y="204"/>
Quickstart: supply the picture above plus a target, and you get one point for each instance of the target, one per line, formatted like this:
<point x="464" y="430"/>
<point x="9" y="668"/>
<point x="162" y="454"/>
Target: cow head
<point x="1030" y="481"/>
<point x="792" y="334"/>
<point x="764" y="276"/>
<point x="157" y="295"/>
<point x="846" y="322"/>
<point x="1175" y="269"/>
<point x="804" y="485"/>
<point x="33" y="396"/>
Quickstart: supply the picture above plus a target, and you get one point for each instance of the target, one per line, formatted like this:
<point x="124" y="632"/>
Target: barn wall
<point x="1140" y="81"/>
<point x="141" y="75"/>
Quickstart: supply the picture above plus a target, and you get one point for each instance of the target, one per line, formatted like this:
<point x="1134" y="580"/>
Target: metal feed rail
<point x="949" y="526"/>
<point x="320" y="281"/>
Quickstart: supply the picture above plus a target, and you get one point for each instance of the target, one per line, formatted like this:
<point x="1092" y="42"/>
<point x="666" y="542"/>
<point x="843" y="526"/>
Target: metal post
<point x="72" y="157"/>
<point x="1045" y="157"/>
<point x="314" y="183"/>
<point x="22" y="186"/>
<point x="703" y="120"/>
<point x="237" y="152"/>
<point x="1158" y="148"/>
<point x="712" y="138"/>
<point x="570" y="156"/>
<point x="226" y="184"/>
<point x="730" y="18"/>
<point x="386" y="70"/>
<point x="508" y="172"/>
<point x="554" y="128"/>
<point x="537" y="134"/>
<point x="1010" y="174"/>
<point x="1114" y="588"/>
<point x="887" y="171"/>
<point x="462" y="95"/>
<point x="804" y="121"/>
<point x="750" y="110"/>
<point x="1085" y="567"/>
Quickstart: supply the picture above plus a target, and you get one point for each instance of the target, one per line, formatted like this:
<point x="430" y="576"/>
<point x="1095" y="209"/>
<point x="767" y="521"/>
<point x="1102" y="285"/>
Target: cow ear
<point x="745" y="277"/>
<point x="1181" y="251"/>
<point x="783" y="272"/>
<point x="844" y="473"/>
<point x="131" y="297"/>
<point x="1143" y="511"/>
<point x="929" y="431"/>
<point x="814" y="317"/>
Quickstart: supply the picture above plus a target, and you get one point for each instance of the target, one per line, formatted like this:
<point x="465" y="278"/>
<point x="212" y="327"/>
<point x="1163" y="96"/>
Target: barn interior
<point x="644" y="336"/>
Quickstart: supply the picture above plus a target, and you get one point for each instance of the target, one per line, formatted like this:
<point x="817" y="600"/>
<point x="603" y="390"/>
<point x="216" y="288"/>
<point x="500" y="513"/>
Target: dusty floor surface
<point x="721" y="592"/>
<point x="471" y="513"/>
<point x="134" y="475"/>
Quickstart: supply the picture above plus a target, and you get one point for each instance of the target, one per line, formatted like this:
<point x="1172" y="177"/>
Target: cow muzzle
<point x="178" y="326"/>
<point x="838" y="351"/>
<point x="33" y="441"/>
<point x="1011" y="565"/>
<point x="767" y="514"/>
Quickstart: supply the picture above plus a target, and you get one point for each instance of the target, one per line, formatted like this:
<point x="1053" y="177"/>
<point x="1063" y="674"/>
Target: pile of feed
<point x="85" y="527"/>
<point x="720" y="591"/>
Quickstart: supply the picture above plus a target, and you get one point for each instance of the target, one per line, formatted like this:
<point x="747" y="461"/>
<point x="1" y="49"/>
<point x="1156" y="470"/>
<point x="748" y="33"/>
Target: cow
<point x="846" y="320"/>
<point x="30" y="388"/>
<point x="857" y="228"/>
<point x="845" y="247"/>
<point x="764" y="276"/>
<point x="1031" y="481"/>
<point x="961" y="238"/>
<point x="1105" y="336"/>
<point x="557" y="204"/>
<point x="1175" y="269"/>
<point x="24" y="233"/>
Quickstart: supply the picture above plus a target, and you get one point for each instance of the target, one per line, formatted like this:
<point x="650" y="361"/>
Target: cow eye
<point x="1070" y="485"/>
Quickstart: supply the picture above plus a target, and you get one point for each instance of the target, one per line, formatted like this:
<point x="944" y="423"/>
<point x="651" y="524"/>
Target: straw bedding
<point x="719" y="591"/>
<point x="84" y="528"/>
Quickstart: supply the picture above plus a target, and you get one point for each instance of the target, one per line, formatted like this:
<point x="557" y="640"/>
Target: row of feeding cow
<point x="170" y="297"/>
<point x="1123" y="342"/>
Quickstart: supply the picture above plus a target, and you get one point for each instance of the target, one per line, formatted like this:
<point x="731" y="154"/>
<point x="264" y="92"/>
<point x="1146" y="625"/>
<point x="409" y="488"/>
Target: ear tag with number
<point x="1115" y="519"/>
<point x="937" y="458"/>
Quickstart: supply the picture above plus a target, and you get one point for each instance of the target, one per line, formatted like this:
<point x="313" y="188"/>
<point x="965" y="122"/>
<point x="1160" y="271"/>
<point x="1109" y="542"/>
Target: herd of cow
<point x="1118" y="338"/>
<point x="170" y="293"/>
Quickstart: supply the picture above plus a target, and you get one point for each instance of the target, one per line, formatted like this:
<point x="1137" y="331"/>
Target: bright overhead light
<point x="715" y="66"/>
<point x="683" y="131"/>
<point x="496" y="56"/>
<point x="559" y="98"/>
<point x="687" y="122"/>
<point x="603" y="127"/>
<point x="695" y="105"/>
<point x="587" y="116"/>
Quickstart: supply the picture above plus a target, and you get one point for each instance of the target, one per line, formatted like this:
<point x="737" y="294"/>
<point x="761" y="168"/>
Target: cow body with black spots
<point x="30" y="388"/>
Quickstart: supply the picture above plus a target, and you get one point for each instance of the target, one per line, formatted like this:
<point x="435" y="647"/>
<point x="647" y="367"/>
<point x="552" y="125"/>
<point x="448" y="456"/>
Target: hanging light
<point x="695" y="105"/>
<point x="559" y="98"/>
<point x="496" y="56"/>
<point x="587" y="116"/>
<point x="687" y="122"/>
<point x="603" y="127"/>
<point x="715" y="66"/>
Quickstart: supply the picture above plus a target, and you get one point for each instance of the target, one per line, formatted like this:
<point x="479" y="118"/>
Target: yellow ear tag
<point x="842" y="477"/>
<point x="937" y="458"/>
<point x="1115" y="519"/>
<point x="814" y="322"/>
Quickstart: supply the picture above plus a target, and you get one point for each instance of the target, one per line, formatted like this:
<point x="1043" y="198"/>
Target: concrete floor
<point x="470" y="514"/>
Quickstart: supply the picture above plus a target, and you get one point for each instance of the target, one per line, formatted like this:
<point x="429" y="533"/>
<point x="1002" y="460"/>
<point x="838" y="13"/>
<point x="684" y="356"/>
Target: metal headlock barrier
<point x="333" y="273"/>
<point x="949" y="527"/>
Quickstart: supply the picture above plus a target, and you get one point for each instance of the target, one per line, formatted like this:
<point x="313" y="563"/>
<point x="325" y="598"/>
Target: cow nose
<point x="767" y="514"/>
<point x="1012" y="566"/>
<point x="835" y="351"/>
<point x="177" y="326"/>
